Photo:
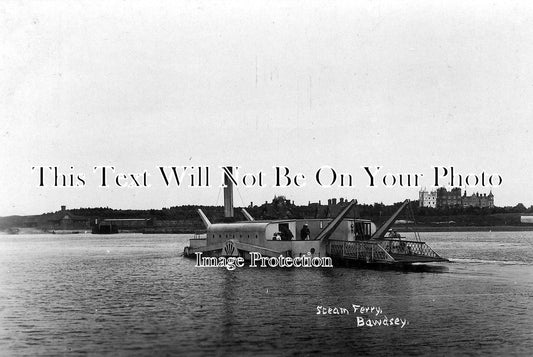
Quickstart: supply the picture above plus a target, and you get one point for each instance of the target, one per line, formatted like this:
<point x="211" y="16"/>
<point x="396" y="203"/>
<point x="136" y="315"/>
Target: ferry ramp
<point x="383" y="251"/>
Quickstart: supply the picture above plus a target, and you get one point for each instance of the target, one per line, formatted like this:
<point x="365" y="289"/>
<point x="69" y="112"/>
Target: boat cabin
<point x="285" y="235"/>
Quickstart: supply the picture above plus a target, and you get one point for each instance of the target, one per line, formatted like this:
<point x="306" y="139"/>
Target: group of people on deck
<point x="283" y="234"/>
<point x="286" y="234"/>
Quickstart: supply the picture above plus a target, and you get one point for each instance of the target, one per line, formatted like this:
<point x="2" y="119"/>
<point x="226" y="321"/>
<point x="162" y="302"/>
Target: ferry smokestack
<point x="228" y="193"/>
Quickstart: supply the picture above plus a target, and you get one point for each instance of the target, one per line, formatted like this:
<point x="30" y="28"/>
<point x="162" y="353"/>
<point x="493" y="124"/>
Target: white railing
<point x="199" y="236"/>
<point x="359" y="250"/>
<point x="381" y="250"/>
<point x="408" y="247"/>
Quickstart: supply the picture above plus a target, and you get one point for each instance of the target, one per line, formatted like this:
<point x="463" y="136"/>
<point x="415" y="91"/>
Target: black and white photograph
<point x="266" y="178"/>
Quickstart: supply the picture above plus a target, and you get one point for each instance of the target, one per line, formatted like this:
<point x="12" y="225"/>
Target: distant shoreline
<point x="417" y="228"/>
<point x="403" y="229"/>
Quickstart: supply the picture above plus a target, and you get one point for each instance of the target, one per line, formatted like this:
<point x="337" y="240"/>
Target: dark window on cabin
<point x="362" y="230"/>
<point x="284" y="231"/>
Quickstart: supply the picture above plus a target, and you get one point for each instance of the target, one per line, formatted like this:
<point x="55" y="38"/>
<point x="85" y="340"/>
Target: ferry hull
<point x="386" y="251"/>
<point x="234" y="247"/>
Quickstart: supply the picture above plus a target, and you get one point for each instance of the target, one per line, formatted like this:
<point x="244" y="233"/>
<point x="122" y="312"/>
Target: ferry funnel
<point x="228" y="191"/>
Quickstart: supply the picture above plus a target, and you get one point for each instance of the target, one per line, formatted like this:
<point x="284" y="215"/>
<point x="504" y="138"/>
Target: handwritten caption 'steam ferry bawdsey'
<point x="348" y="241"/>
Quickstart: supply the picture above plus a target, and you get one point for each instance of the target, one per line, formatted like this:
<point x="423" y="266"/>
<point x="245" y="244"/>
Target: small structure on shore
<point x="116" y="225"/>
<point x="67" y="221"/>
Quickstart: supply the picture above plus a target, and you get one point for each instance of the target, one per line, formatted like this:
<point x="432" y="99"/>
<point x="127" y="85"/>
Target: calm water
<point x="136" y="295"/>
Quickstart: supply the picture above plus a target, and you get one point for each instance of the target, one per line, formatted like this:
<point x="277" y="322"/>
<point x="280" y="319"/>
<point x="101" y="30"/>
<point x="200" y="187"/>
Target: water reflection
<point x="230" y="288"/>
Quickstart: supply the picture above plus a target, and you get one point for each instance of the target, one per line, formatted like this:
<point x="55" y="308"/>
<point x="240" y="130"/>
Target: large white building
<point x="428" y="199"/>
<point x="442" y="198"/>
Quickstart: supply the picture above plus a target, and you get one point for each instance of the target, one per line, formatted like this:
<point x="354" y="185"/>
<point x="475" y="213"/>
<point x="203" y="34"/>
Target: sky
<point x="403" y="85"/>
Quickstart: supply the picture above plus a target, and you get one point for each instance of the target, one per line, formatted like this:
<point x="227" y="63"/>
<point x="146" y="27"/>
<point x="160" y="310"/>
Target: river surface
<point x="136" y="295"/>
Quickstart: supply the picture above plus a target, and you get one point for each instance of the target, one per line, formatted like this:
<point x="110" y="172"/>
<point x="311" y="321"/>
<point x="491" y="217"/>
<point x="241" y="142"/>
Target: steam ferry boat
<point x="345" y="240"/>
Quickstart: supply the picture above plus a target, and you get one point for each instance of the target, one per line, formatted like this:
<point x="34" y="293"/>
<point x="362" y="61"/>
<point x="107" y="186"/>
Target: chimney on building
<point x="63" y="208"/>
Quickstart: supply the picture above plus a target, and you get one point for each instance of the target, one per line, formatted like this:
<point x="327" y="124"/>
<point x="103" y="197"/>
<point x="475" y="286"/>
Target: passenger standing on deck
<point x="305" y="232"/>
